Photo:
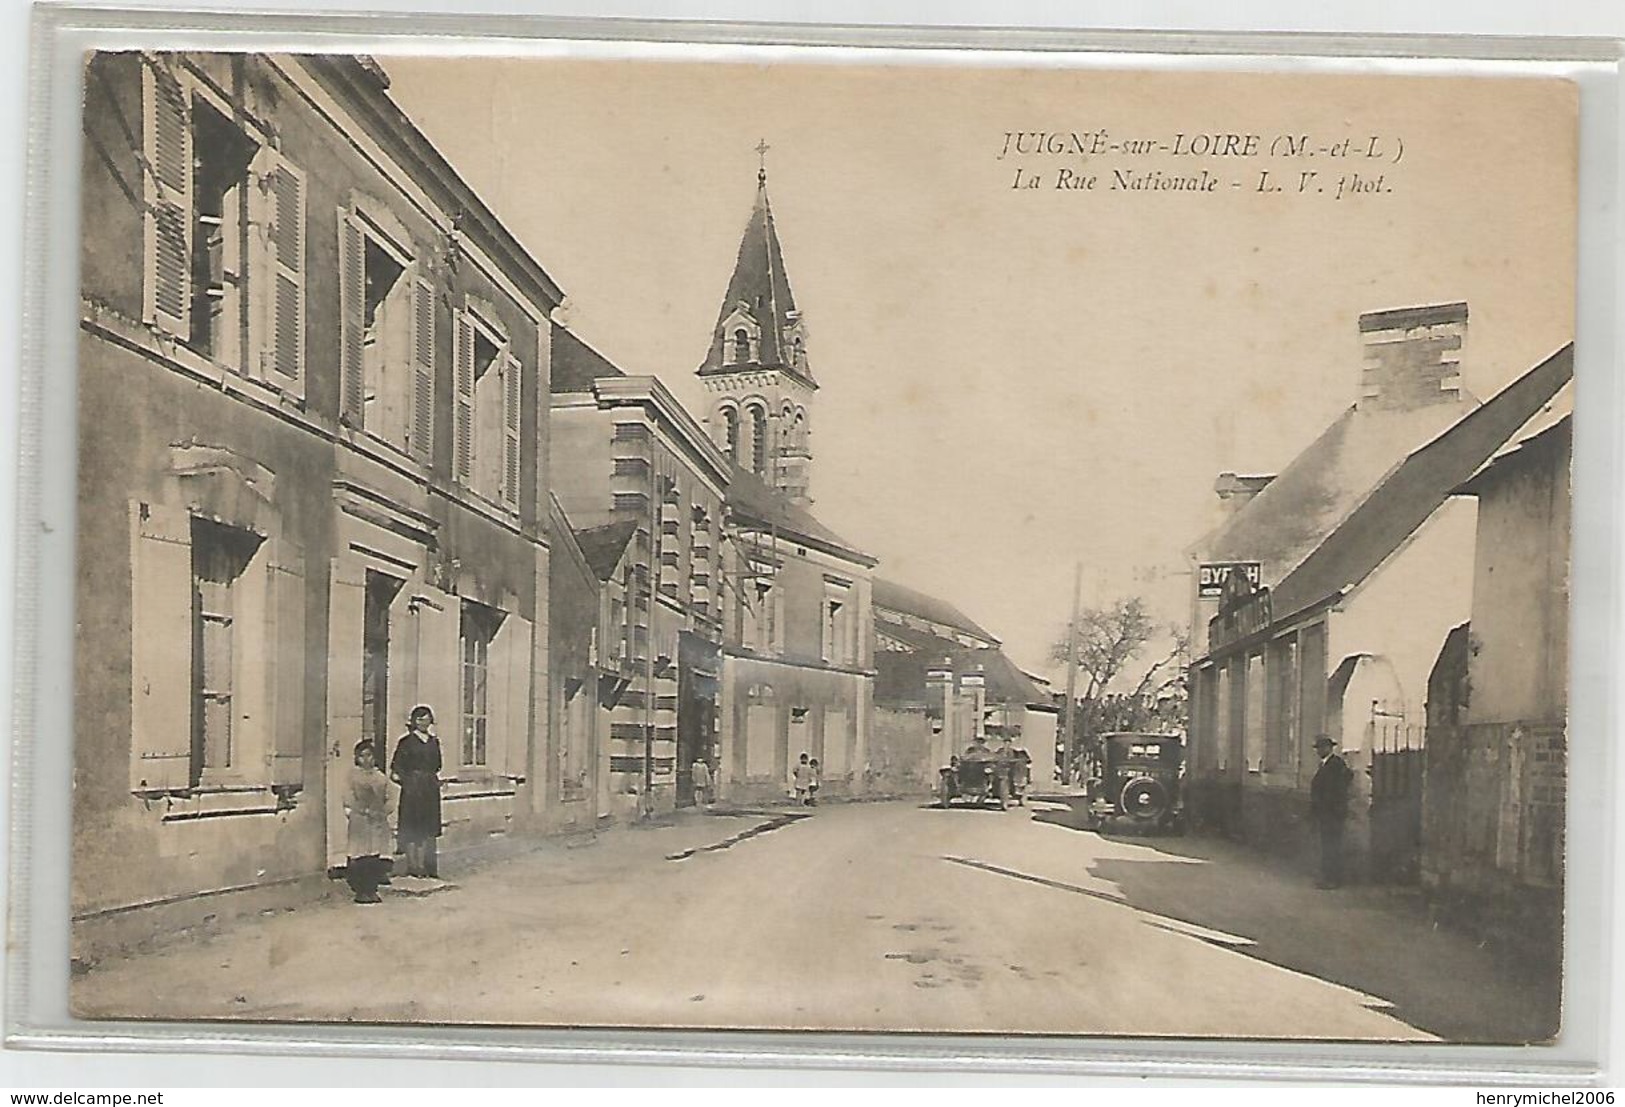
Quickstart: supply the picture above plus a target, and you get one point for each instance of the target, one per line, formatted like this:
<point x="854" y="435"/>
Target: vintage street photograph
<point x="997" y="545"/>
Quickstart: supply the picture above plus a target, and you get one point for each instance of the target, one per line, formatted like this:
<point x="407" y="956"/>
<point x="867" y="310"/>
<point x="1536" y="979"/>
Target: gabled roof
<point x="1290" y="516"/>
<point x="752" y="502"/>
<point x="1404" y="501"/>
<point x="761" y="287"/>
<point x="603" y="546"/>
<point x="895" y="597"/>
<point x="1006" y="682"/>
<point x="1536" y="440"/>
<point x="561" y="534"/>
<point x="575" y="365"/>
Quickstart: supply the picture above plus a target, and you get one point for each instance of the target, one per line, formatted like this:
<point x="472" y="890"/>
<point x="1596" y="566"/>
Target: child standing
<point x="814" y="779"/>
<point x="368" y="806"/>
<point x="803" y="778"/>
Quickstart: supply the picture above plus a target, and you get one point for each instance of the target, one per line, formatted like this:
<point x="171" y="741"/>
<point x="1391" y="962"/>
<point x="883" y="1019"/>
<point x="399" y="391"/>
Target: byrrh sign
<point x="1211" y="577"/>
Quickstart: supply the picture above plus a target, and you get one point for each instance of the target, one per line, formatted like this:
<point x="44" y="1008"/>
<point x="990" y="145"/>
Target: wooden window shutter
<point x="422" y="437"/>
<point x="288" y="656"/>
<point x="508" y="736"/>
<point x="463" y="462"/>
<point x="287" y="271"/>
<point x="161" y="648"/>
<point x="511" y="392"/>
<point x="439" y="665"/>
<point x="352" y="308"/>
<point x="167" y="146"/>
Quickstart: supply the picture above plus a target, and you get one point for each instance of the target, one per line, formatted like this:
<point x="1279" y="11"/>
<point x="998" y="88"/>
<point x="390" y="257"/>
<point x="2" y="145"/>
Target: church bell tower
<point x="758" y="382"/>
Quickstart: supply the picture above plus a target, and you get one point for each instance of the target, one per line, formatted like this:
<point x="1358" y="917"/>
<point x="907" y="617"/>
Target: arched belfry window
<point x="741" y="345"/>
<point x="758" y="440"/>
<point x="730" y="433"/>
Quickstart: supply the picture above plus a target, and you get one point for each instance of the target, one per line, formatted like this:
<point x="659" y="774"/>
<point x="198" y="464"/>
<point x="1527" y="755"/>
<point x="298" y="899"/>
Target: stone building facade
<point x="1497" y="728"/>
<point x="313" y="395"/>
<point x="626" y="452"/>
<point x="1343" y="645"/>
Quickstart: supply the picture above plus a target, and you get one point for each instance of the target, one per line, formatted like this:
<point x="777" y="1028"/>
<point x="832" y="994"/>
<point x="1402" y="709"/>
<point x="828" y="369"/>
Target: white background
<point x="48" y="1071"/>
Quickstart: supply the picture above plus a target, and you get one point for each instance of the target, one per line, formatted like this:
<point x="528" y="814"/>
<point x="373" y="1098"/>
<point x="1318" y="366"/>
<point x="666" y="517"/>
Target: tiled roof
<point x="575" y="365"/>
<point x="1404" y="501"/>
<point x="895" y="597"/>
<point x="762" y="287"/>
<point x="603" y="546"/>
<point x="1006" y="683"/>
<point x="1296" y="510"/>
<point x="751" y="501"/>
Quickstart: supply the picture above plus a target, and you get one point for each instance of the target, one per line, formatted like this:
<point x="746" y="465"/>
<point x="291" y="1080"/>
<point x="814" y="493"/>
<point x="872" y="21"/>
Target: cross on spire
<point x="761" y="154"/>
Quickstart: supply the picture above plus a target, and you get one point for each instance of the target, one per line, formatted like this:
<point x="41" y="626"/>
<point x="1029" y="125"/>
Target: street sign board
<point x="1212" y="575"/>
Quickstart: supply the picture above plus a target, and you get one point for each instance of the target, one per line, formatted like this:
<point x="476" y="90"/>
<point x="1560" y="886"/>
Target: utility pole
<point x="1072" y="678"/>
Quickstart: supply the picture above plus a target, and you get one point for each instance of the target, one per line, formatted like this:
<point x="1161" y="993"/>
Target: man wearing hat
<point x="1328" y="807"/>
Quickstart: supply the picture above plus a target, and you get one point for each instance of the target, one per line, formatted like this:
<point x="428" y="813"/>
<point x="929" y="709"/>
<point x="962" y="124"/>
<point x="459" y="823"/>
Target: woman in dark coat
<point x="416" y="768"/>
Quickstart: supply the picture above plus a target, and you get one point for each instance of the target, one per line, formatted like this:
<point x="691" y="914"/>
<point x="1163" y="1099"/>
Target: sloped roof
<point x="563" y="537"/>
<point x="1006" y="682"/>
<point x="761" y="286"/>
<point x="603" y="546"/>
<point x="1557" y="413"/>
<point x="575" y="365"/>
<point x="1398" y="506"/>
<point x="1290" y="516"/>
<point x="895" y="597"/>
<point x="1541" y="435"/>
<point x="750" y="500"/>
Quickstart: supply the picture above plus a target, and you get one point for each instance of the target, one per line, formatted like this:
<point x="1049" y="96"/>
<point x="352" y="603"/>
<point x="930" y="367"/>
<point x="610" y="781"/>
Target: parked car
<point x="1141" y="781"/>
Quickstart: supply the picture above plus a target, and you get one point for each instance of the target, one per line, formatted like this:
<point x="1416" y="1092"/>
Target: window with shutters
<point x="477" y="630"/>
<point x="220" y="554"/>
<point x="762" y="616"/>
<point x="387" y="348"/>
<point x="224" y="232"/>
<point x="489" y="387"/>
<point x="222" y="154"/>
<point x="839" y="642"/>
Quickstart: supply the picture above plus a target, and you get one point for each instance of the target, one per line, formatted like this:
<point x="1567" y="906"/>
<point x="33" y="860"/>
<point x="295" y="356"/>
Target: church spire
<point x="758" y="326"/>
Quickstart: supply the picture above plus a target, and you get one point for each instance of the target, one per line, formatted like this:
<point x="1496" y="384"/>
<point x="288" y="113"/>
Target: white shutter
<point x="439" y="665"/>
<point x="511" y="392"/>
<point x="288" y="655"/>
<point x="352" y="309"/>
<point x="346" y="615"/>
<point x="167" y="192"/>
<point x="160" y="647"/>
<point x="463" y="432"/>
<point x="285" y="350"/>
<point x="508" y="737"/>
<point x="422" y="435"/>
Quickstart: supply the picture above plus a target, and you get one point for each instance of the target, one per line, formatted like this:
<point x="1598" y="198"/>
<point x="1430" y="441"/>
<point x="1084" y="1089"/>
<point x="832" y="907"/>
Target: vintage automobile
<point x="1140" y="781"/>
<point x="977" y="780"/>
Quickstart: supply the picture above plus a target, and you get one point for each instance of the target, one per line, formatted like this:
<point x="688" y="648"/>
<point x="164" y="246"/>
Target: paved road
<point x="872" y="916"/>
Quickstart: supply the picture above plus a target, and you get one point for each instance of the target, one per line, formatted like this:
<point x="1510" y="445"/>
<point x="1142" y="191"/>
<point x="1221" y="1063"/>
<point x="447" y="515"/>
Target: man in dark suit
<point x="1328" y="808"/>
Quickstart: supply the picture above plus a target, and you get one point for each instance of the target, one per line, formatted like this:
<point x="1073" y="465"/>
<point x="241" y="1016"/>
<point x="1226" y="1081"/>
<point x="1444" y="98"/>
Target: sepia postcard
<point x="976" y="547"/>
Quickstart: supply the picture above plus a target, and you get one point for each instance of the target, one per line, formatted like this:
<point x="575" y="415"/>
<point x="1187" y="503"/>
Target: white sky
<point x="1015" y="381"/>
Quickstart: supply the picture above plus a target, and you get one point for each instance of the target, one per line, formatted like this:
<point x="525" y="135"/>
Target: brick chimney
<point x="1412" y="356"/>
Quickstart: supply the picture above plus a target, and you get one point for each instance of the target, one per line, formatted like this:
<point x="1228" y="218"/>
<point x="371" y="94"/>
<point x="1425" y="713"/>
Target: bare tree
<point x="1110" y="639"/>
